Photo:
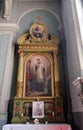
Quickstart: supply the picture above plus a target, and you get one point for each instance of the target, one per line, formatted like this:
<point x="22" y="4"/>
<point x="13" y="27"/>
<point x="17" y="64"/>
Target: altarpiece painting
<point x="39" y="76"/>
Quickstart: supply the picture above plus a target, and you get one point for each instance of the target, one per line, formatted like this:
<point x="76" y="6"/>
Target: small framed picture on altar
<point x="38" y="109"/>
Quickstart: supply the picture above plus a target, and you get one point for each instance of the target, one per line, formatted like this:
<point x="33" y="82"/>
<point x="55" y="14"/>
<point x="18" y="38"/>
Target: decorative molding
<point x="38" y="47"/>
<point x="39" y="0"/>
<point x="8" y="27"/>
<point x="3" y="113"/>
<point x="7" y="9"/>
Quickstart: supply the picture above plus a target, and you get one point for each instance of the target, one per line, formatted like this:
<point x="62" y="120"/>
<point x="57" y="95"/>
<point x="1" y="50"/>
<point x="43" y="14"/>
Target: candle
<point x="21" y="114"/>
<point x="53" y="113"/>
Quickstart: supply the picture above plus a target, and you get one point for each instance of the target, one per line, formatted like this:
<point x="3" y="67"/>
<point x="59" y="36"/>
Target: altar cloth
<point x="37" y="127"/>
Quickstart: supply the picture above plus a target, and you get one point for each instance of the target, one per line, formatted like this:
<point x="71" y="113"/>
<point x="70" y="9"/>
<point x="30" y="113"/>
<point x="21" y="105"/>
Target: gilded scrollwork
<point x="20" y="75"/>
<point x="28" y="39"/>
<point x="19" y="89"/>
<point x="38" y="49"/>
<point x="38" y="33"/>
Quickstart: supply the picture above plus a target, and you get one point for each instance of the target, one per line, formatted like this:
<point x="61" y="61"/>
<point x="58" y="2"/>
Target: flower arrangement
<point x="36" y="121"/>
<point x="45" y="118"/>
<point x="27" y="120"/>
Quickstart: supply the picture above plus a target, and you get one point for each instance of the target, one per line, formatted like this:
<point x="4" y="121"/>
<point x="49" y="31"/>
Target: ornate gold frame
<point x="51" y="50"/>
<point x="29" y="46"/>
<point x="39" y="32"/>
<point x="50" y="58"/>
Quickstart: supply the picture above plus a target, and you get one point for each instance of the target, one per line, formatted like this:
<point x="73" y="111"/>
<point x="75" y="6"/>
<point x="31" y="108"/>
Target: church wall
<point x="74" y="54"/>
<point x="3" y="51"/>
<point x="78" y="120"/>
<point x="4" y="39"/>
<point x="23" y="15"/>
<point x="47" y="18"/>
<point x="28" y="12"/>
<point x="79" y="9"/>
<point x="6" y="67"/>
<point x="20" y="7"/>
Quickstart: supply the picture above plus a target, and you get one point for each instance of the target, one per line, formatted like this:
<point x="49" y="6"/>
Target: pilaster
<point x="7" y="35"/>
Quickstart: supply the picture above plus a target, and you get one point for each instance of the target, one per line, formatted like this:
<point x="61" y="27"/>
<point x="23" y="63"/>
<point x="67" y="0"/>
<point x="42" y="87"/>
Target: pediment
<point x="38" y="33"/>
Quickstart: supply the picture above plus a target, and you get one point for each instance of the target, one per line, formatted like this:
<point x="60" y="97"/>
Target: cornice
<point x="7" y="27"/>
<point x="39" y="0"/>
<point x="38" y="47"/>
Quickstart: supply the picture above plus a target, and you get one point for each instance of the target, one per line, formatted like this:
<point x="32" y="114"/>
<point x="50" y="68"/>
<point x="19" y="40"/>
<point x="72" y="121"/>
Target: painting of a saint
<point x="27" y="109"/>
<point x="38" y="31"/>
<point x="38" y="76"/>
<point x="38" y="109"/>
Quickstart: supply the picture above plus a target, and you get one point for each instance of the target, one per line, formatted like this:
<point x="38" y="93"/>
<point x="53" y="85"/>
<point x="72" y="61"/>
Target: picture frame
<point x="49" y="109"/>
<point x="37" y="109"/>
<point x="27" y="109"/>
<point x="39" y="32"/>
<point x="38" y="76"/>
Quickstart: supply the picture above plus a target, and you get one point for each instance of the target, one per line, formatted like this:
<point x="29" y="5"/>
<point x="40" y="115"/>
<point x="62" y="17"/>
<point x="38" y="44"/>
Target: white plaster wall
<point x="8" y="33"/>
<point x="18" y="8"/>
<point x="79" y="9"/>
<point x="7" y="75"/>
<point x="73" y="46"/>
<point x="73" y="50"/>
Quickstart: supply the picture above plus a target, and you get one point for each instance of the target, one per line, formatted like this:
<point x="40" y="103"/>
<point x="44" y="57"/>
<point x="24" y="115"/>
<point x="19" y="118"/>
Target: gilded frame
<point x="32" y="89"/>
<point x="39" y="32"/>
<point x="38" y="43"/>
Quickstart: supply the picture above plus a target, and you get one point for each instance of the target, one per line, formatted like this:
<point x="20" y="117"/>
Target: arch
<point x="43" y="9"/>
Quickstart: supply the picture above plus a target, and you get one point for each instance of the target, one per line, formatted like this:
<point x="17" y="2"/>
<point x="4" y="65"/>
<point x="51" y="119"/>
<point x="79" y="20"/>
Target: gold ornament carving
<point x="19" y="89"/>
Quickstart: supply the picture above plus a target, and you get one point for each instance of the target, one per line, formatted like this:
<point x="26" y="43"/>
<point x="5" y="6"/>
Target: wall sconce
<point x="78" y="83"/>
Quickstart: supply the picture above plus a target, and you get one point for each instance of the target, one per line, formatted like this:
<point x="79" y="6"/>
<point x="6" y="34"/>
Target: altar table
<point x="36" y="127"/>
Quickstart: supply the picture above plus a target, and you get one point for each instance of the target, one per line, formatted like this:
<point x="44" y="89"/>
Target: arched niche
<point x="50" y="18"/>
<point x="35" y="47"/>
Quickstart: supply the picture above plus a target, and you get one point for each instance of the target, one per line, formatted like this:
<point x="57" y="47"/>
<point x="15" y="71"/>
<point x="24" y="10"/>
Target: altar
<point x="36" y="127"/>
<point x="38" y="77"/>
<point x="38" y="94"/>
